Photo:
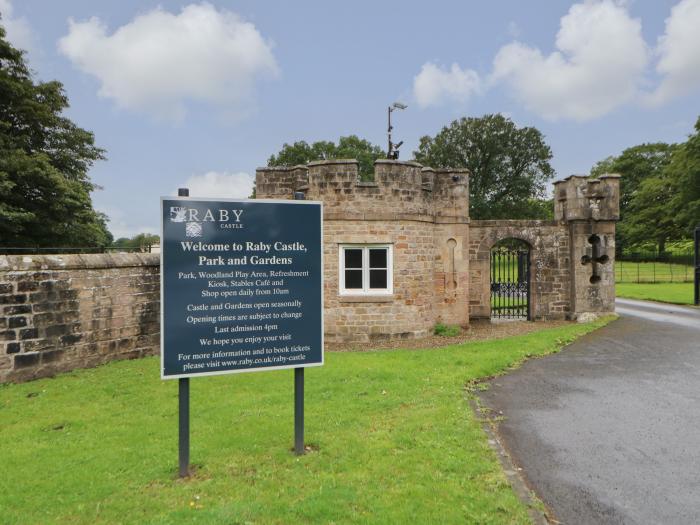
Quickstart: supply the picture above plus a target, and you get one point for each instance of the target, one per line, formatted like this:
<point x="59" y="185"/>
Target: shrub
<point x="446" y="330"/>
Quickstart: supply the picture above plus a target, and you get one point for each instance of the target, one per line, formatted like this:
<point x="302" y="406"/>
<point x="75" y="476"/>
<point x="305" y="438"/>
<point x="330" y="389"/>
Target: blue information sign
<point x="241" y="286"/>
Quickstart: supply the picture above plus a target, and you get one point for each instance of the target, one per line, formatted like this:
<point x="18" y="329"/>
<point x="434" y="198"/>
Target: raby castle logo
<point x="195" y="219"/>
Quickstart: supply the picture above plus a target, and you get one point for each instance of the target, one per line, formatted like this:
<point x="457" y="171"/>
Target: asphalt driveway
<point x="608" y="430"/>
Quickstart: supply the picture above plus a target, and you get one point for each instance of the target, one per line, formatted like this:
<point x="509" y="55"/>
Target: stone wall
<point x="550" y="265"/>
<point x="422" y="213"/>
<point x="75" y="311"/>
<point x="565" y="282"/>
<point x="441" y="259"/>
<point x="59" y="313"/>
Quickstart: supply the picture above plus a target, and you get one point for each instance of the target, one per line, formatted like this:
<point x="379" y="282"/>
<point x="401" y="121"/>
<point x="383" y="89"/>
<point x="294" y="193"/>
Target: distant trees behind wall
<point x="350" y="147"/>
<point x="660" y="192"/>
<point x="509" y="165"/>
<point x="138" y="242"/>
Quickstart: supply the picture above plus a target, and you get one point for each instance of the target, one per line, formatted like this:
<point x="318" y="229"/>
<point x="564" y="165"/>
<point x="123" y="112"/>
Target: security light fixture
<point x="393" y="151"/>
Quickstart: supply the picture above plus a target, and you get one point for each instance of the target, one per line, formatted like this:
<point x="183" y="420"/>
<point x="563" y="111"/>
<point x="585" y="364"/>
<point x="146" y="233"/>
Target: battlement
<point x="398" y="189"/>
<point x="581" y="198"/>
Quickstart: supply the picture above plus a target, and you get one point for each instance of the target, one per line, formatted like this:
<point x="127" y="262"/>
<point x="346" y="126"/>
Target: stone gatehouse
<point x="401" y="254"/>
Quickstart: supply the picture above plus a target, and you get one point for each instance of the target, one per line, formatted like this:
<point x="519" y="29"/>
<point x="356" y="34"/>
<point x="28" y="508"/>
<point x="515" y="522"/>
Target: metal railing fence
<point x="640" y="267"/>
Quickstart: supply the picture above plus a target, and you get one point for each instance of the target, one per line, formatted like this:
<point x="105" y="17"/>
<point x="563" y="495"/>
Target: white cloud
<point x="435" y="85"/>
<point x="160" y="61"/>
<point x="220" y="184"/>
<point x="678" y="50"/>
<point x="18" y="31"/>
<point x="120" y="225"/>
<point x="600" y="61"/>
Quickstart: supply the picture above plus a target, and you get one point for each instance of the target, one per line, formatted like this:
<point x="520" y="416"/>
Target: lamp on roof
<point x="393" y="151"/>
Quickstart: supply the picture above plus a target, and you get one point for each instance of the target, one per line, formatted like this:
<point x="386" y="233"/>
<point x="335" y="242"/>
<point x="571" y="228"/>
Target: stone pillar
<point x="450" y="194"/>
<point x="590" y="208"/>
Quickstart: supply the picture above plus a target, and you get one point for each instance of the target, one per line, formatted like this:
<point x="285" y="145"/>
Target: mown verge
<point x="393" y="441"/>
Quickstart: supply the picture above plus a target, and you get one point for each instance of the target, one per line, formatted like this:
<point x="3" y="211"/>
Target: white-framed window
<point x="366" y="269"/>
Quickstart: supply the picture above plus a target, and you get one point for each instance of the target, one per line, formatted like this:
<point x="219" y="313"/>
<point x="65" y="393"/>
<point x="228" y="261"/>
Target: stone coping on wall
<point x="410" y="163"/>
<point x="77" y="261"/>
<point x="331" y="215"/>
<point x="526" y="223"/>
<point x="603" y="176"/>
<point x="332" y="162"/>
<point x="282" y="168"/>
<point x="392" y="162"/>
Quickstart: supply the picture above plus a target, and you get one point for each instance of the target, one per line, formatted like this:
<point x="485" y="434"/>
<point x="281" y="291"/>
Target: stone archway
<point x="510" y="280"/>
<point x="549" y="291"/>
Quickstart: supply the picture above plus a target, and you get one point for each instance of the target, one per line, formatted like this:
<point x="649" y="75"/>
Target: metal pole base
<point x="184" y="427"/>
<point x="299" y="411"/>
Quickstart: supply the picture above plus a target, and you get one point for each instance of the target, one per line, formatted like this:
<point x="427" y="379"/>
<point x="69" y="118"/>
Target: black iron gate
<point x="510" y="283"/>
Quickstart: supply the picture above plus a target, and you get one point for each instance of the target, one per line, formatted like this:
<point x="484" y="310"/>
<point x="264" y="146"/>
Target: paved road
<point x="608" y="430"/>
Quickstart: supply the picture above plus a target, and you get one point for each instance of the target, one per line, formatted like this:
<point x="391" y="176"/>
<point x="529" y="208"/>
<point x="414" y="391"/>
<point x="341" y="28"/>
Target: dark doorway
<point x="510" y="280"/>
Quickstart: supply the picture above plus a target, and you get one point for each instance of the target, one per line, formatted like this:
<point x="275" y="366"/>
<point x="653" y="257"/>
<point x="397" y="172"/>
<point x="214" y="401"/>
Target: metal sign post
<point x="299" y="389"/>
<point x="298" y="411"/>
<point x="697" y="266"/>
<point x="241" y="291"/>
<point x="183" y="396"/>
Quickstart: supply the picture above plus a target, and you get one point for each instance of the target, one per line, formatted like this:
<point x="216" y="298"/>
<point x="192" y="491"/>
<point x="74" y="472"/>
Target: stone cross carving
<point x="595" y="259"/>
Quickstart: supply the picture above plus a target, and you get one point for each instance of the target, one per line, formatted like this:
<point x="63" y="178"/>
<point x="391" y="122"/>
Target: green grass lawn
<point x="395" y="442"/>
<point x="678" y="293"/>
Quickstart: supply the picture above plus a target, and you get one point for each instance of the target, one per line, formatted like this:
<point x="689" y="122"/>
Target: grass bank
<point x="395" y="442"/>
<point x="678" y="293"/>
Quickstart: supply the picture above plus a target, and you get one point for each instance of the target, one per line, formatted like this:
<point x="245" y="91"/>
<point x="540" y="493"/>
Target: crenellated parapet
<point x="398" y="190"/>
<point x="580" y="198"/>
<point x="451" y="192"/>
<point x="280" y="182"/>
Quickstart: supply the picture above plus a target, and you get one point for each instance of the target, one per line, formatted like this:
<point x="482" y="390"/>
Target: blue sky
<point x="200" y="94"/>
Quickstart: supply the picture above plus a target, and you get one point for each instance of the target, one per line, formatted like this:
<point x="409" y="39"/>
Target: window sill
<point x="387" y="298"/>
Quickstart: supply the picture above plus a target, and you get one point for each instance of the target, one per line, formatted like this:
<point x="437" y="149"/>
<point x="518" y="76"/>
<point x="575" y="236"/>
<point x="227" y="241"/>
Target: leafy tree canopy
<point x="351" y="147"/>
<point x="635" y="164"/>
<point x="650" y="217"/>
<point x="509" y="165"/>
<point x="684" y="171"/>
<point x="660" y="191"/>
<point x="44" y="162"/>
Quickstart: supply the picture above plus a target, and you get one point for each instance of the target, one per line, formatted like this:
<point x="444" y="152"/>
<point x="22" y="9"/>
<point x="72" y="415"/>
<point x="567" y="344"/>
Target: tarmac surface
<point x="608" y="430"/>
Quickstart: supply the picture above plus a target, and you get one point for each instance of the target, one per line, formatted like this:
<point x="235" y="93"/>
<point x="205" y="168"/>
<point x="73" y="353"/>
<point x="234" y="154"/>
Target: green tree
<point x="647" y="194"/>
<point x="138" y="242"/>
<point x="44" y="162"/>
<point x="684" y="171"/>
<point x="351" y="147"/>
<point x="650" y="215"/>
<point x="509" y="165"/>
<point x="660" y="199"/>
<point x="635" y="164"/>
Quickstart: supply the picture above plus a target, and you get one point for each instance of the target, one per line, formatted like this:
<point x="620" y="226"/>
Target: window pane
<point x="377" y="279"/>
<point x="353" y="258"/>
<point x="353" y="279"/>
<point x="377" y="257"/>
